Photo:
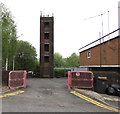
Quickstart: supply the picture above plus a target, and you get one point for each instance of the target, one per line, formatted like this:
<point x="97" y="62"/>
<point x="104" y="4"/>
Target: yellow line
<point x="5" y="91"/>
<point x="11" y="94"/>
<point x="4" y="88"/>
<point x="94" y="102"/>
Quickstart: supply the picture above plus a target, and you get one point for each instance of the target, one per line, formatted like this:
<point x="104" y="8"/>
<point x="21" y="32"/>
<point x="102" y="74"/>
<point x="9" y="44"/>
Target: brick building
<point x="103" y="58"/>
<point x="103" y="55"/>
<point x="46" y="46"/>
<point x="106" y="54"/>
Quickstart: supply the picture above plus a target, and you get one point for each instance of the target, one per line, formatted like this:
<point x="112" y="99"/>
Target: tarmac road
<point x="48" y="95"/>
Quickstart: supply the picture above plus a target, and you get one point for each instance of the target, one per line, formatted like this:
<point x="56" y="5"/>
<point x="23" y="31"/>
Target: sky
<point x="73" y="27"/>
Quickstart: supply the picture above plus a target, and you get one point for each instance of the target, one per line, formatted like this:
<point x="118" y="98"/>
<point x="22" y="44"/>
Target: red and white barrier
<point x="80" y="79"/>
<point x="17" y="79"/>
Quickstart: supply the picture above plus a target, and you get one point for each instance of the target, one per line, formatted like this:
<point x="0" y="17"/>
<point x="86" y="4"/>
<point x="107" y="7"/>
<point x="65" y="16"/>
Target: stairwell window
<point x="46" y="24"/>
<point x="46" y="35"/>
<point x="46" y="47"/>
<point x="88" y="54"/>
<point x="46" y="58"/>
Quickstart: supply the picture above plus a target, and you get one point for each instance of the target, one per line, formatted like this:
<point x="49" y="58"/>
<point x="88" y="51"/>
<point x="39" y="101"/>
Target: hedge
<point x="61" y="73"/>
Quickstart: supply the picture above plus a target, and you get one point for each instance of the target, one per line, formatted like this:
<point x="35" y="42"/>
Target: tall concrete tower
<point x="46" y="46"/>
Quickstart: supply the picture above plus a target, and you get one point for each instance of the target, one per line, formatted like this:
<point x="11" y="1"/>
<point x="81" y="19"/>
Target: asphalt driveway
<point x="48" y="95"/>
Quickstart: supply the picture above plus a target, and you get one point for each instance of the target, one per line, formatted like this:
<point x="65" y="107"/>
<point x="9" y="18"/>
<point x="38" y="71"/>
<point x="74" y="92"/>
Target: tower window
<point x="46" y="35"/>
<point x="46" y="24"/>
<point x="46" y="59"/>
<point x="46" y="47"/>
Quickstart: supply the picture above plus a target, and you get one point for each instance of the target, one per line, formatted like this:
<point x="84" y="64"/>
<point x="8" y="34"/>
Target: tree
<point x="9" y="36"/>
<point x="73" y="60"/>
<point x="0" y="36"/>
<point x="26" y="57"/>
<point x="58" y="60"/>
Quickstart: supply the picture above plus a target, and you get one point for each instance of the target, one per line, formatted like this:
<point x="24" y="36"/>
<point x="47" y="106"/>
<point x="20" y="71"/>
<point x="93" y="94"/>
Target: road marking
<point x="5" y="91"/>
<point x="5" y="88"/>
<point x="11" y="94"/>
<point x="95" y="102"/>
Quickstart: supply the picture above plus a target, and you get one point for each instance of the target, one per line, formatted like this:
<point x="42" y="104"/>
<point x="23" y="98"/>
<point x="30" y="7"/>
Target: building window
<point x="88" y="54"/>
<point x="46" y="24"/>
<point x="46" y="35"/>
<point x="46" y="47"/>
<point x="46" y="59"/>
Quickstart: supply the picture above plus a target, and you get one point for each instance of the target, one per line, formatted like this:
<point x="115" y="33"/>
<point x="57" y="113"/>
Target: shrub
<point x="60" y="73"/>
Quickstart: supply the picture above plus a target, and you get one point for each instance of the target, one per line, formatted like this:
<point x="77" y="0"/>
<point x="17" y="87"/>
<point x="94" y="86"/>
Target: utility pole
<point x="108" y="26"/>
<point x="101" y="15"/>
<point x="102" y="25"/>
<point x="119" y="16"/>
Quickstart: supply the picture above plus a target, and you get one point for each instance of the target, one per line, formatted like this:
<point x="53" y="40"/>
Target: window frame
<point x="88" y="54"/>
<point x="46" y="47"/>
<point x="46" y="35"/>
<point x="46" y="58"/>
<point x="46" y="24"/>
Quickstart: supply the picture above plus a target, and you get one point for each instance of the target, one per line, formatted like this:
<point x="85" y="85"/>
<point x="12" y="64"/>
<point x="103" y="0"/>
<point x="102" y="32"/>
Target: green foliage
<point x="23" y="53"/>
<point x="60" y="73"/>
<point x="0" y="36"/>
<point x="58" y="60"/>
<point x="25" y="57"/>
<point x="72" y="61"/>
<point x="9" y="36"/>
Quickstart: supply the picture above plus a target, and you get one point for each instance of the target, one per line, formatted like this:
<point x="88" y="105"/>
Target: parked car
<point x="113" y="89"/>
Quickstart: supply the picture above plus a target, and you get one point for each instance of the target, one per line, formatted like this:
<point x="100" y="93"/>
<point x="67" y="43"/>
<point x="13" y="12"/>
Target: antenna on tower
<point x="52" y="14"/>
<point x="40" y="13"/>
<point x="108" y="25"/>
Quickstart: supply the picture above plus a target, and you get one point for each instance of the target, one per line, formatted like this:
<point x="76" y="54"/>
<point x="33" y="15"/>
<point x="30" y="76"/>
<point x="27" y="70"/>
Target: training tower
<point x="46" y="46"/>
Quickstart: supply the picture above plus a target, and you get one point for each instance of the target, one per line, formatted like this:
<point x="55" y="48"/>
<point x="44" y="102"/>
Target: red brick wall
<point x="46" y="68"/>
<point x="110" y="52"/>
<point x="119" y="51"/>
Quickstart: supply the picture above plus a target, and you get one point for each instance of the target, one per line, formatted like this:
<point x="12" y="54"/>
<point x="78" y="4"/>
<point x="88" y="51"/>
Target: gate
<point x="80" y="80"/>
<point x="17" y="79"/>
